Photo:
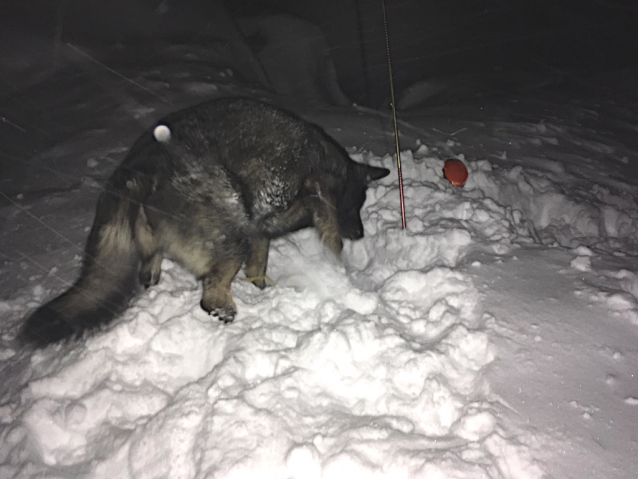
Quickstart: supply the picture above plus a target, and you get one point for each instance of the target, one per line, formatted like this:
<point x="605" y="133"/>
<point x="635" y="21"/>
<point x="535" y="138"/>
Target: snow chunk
<point x="432" y="301"/>
<point x="581" y="263"/>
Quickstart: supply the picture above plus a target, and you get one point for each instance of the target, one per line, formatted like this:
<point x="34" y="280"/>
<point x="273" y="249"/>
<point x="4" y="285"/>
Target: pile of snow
<point x="370" y="367"/>
<point x="570" y="215"/>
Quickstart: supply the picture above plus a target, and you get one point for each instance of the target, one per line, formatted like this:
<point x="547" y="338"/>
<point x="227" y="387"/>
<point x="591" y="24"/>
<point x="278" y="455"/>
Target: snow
<point x="494" y="338"/>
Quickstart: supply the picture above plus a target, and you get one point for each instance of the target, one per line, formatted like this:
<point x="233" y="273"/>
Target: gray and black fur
<point x="233" y="174"/>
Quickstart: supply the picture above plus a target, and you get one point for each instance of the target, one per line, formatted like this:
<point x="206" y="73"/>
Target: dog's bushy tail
<point x="108" y="278"/>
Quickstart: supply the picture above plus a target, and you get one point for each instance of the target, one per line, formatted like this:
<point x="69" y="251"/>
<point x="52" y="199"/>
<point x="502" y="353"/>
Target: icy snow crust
<point x="380" y="365"/>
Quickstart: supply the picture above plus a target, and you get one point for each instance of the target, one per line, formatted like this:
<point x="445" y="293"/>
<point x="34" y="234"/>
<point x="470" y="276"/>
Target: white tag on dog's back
<point x="162" y="133"/>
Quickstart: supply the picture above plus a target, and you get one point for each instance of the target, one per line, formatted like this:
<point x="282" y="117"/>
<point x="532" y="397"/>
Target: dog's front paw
<point x="225" y="313"/>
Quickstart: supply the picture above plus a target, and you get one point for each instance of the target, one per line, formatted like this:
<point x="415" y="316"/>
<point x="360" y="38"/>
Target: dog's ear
<point x="371" y="173"/>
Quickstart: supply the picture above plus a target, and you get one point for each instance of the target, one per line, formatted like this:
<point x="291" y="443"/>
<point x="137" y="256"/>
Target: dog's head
<point x="353" y="197"/>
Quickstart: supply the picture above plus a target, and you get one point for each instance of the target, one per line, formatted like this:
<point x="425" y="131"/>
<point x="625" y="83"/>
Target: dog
<point x="209" y="187"/>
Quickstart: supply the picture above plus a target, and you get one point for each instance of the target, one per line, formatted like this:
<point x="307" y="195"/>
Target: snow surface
<point x="494" y="338"/>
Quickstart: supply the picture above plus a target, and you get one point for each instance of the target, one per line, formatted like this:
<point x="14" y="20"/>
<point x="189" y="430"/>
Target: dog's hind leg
<point x="321" y="201"/>
<point x="258" y="262"/>
<point x="217" y="298"/>
<point x="149" y="251"/>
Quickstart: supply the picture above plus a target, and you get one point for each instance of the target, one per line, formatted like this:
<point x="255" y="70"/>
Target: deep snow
<point x="495" y="337"/>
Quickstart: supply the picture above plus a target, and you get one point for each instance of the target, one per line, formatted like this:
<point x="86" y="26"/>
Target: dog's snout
<point x="353" y="232"/>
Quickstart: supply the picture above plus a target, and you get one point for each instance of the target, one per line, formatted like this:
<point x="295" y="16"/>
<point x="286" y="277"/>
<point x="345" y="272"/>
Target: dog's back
<point x="266" y="151"/>
<point x="230" y="175"/>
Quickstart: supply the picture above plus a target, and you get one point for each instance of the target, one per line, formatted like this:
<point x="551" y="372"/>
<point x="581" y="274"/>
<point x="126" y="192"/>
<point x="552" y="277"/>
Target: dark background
<point x="429" y="39"/>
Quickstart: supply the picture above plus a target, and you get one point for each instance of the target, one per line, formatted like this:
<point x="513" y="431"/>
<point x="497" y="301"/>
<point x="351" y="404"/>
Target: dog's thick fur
<point x="233" y="174"/>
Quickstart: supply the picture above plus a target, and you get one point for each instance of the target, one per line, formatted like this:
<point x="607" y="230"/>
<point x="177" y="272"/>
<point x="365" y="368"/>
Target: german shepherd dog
<point x="209" y="187"/>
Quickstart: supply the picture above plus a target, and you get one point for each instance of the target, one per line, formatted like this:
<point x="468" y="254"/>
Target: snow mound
<point x="370" y="367"/>
<point x="595" y="216"/>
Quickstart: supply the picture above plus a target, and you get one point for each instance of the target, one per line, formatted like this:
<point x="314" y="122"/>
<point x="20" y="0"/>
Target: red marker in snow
<point x="456" y="172"/>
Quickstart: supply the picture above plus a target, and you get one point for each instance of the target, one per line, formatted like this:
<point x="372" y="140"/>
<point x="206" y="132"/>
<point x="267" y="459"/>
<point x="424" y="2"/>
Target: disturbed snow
<point x="431" y="352"/>
<point x="373" y="367"/>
